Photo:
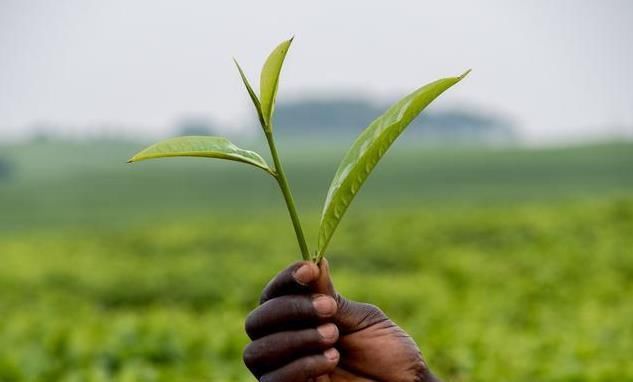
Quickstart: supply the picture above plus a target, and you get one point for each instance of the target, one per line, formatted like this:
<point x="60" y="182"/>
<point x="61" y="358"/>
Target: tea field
<point x="504" y="264"/>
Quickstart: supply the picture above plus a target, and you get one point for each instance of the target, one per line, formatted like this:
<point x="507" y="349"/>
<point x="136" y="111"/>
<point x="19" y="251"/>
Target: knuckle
<point x="265" y="296"/>
<point x="249" y="356"/>
<point x="250" y="324"/>
<point x="281" y="284"/>
<point x="285" y="277"/>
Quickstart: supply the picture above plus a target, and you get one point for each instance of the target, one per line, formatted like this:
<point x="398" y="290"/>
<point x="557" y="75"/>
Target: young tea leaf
<point x="269" y="80"/>
<point x="251" y="93"/>
<point x="208" y="147"/>
<point x="367" y="150"/>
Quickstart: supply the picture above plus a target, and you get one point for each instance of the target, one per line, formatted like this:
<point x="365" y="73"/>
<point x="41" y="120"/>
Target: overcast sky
<point x="560" y="68"/>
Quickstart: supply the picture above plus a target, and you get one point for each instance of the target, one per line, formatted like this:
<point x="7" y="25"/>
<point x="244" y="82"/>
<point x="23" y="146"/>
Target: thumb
<point x="323" y="284"/>
<point x="351" y="316"/>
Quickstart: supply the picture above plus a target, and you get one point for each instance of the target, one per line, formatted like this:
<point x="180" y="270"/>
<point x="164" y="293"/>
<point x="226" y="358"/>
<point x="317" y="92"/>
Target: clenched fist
<point x="305" y="331"/>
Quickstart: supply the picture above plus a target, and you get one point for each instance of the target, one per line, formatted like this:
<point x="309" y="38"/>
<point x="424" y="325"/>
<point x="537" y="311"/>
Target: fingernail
<point x="324" y="305"/>
<point x="304" y="274"/>
<point x="328" y="331"/>
<point x="331" y="354"/>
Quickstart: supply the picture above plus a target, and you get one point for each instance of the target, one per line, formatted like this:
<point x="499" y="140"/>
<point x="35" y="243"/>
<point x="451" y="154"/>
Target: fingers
<point x="276" y="350"/>
<point x="304" y="369"/>
<point x="288" y="313"/>
<point x="293" y="280"/>
<point x="286" y="345"/>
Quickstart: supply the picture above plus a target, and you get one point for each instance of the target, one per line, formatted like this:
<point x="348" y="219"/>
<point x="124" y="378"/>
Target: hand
<point x="305" y="331"/>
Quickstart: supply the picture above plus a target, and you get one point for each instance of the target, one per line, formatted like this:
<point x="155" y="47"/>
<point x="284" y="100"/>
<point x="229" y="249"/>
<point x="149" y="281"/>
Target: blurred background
<point x="498" y="230"/>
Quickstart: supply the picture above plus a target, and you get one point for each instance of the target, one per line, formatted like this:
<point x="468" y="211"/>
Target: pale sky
<point x="560" y="68"/>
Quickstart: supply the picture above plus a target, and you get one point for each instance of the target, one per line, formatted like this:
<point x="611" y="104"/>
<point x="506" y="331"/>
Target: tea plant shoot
<point x="357" y="164"/>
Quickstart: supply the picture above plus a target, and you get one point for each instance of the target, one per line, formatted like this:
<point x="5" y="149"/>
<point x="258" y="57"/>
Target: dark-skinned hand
<point x="305" y="331"/>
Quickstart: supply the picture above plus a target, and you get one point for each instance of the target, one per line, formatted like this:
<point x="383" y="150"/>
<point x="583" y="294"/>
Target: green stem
<point x="285" y="189"/>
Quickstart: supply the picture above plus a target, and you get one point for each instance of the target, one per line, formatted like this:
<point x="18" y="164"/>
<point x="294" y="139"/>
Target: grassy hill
<point x="88" y="183"/>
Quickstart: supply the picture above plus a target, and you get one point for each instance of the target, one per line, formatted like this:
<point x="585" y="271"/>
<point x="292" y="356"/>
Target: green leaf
<point x="367" y="150"/>
<point x="251" y="93"/>
<point x="208" y="147"/>
<point x="269" y="80"/>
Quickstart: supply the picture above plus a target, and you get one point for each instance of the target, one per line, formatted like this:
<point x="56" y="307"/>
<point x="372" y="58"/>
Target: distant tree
<point x="464" y="126"/>
<point x="345" y="115"/>
<point x="196" y="126"/>
<point x="348" y="116"/>
<point x="44" y="132"/>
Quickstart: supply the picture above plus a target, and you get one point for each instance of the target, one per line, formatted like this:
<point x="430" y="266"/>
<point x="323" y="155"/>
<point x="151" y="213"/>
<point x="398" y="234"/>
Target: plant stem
<point x="285" y="189"/>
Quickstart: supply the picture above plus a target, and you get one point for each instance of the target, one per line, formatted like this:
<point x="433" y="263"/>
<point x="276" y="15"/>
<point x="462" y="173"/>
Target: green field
<point x="504" y="264"/>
